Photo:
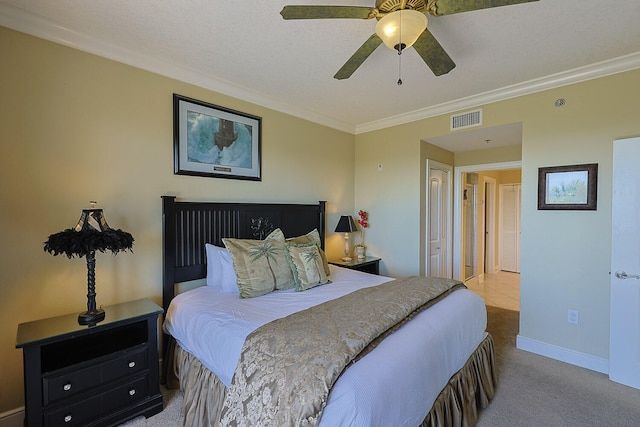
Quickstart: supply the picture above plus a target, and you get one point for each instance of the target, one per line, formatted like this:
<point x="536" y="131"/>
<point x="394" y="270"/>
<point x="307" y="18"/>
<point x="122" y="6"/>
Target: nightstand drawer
<point x="74" y="415"/>
<point x="125" y="395"/>
<point x="70" y="383"/>
<point x="74" y="380"/>
<point x="129" y="364"/>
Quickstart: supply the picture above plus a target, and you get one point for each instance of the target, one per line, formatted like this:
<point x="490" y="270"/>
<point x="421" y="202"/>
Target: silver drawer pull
<point x="67" y="418"/>
<point x="132" y="392"/>
<point x="132" y="364"/>
<point x="66" y="387"/>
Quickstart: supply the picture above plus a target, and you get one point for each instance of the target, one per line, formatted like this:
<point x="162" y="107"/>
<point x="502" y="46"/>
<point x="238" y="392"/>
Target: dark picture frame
<point x="217" y="142"/>
<point x="573" y="187"/>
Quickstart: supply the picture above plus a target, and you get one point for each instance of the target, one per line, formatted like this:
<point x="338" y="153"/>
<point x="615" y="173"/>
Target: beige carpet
<point x="536" y="391"/>
<point x="171" y="415"/>
<point x="532" y="390"/>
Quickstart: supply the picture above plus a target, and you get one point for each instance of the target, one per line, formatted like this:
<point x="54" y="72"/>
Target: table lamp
<point x="346" y="225"/>
<point x="91" y="234"/>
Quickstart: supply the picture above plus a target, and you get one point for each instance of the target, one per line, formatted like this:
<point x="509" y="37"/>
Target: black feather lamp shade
<point x="91" y="234"/>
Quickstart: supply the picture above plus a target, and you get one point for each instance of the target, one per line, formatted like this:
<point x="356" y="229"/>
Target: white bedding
<point x="392" y="385"/>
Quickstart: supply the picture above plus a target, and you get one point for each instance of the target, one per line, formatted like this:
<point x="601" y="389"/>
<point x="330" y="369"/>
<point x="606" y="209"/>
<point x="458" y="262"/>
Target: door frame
<point x="470" y="235"/>
<point x="432" y="164"/>
<point x="489" y="225"/>
<point x="458" y="235"/>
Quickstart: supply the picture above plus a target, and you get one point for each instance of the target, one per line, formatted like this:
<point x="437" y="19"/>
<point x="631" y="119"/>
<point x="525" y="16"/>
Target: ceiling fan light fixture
<point x="400" y="29"/>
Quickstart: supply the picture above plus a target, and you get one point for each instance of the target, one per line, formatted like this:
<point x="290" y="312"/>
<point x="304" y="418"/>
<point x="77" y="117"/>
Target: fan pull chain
<point x="400" y="52"/>
<point x="400" y="68"/>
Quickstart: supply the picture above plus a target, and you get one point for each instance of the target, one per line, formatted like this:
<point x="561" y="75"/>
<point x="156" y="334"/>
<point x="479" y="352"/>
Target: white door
<point x="436" y="221"/>
<point x="624" y="351"/>
<point x="510" y="227"/>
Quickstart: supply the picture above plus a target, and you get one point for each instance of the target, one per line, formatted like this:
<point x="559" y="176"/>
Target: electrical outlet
<point x="572" y="316"/>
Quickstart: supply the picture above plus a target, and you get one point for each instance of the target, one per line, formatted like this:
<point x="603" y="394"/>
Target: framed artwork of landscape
<point x="572" y="187"/>
<point x="215" y="141"/>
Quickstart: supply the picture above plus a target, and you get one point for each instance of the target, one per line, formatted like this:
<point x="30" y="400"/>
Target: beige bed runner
<point x="288" y="366"/>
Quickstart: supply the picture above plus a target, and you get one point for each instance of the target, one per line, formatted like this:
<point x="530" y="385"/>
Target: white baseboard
<point x="562" y="354"/>
<point x="13" y="418"/>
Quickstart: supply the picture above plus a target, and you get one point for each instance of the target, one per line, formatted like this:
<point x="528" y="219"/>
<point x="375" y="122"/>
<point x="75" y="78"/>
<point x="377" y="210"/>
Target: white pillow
<point x="220" y="272"/>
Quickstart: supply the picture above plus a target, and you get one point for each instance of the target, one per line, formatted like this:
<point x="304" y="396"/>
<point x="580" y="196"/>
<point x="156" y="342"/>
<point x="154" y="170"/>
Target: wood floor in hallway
<point x="501" y="289"/>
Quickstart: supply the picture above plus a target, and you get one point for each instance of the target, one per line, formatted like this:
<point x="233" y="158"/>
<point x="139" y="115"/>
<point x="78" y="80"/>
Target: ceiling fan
<point x="401" y="24"/>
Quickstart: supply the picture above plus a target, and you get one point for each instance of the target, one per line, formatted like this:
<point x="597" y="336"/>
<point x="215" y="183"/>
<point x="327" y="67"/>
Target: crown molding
<point x="19" y="20"/>
<point x="16" y="19"/>
<point x="576" y="75"/>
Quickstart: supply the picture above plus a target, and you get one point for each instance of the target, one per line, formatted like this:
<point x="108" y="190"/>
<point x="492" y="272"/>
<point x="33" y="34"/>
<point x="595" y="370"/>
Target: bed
<point x="434" y="368"/>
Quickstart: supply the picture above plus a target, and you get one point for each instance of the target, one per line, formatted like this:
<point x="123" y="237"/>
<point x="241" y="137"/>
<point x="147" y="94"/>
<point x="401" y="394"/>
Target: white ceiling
<point x="480" y="138"/>
<point x="245" y="49"/>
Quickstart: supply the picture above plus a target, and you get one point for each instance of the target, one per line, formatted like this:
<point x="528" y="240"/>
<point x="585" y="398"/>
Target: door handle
<point x="621" y="274"/>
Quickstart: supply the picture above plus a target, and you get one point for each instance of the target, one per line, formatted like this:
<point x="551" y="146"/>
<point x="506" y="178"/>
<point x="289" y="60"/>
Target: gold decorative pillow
<point x="306" y="264"/>
<point x="261" y="266"/>
<point x="312" y="237"/>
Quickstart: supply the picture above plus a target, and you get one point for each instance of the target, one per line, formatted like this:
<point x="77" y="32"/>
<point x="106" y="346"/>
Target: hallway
<point x="498" y="290"/>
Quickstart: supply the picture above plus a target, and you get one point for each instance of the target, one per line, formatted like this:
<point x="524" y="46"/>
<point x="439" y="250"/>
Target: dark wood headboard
<point x="187" y="226"/>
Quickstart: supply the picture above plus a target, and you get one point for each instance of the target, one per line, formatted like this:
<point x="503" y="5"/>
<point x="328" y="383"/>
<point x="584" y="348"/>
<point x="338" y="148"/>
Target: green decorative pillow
<point x="261" y="266"/>
<point x="306" y="264"/>
<point x="312" y="237"/>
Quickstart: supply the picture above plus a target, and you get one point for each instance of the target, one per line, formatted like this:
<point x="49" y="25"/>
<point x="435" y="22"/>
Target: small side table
<point x="368" y="265"/>
<point x="105" y="374"/>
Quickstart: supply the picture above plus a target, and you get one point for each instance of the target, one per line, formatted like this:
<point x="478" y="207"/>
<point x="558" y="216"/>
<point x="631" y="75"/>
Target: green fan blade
<point x="448" y="7"/>
<point x="358" y="57"/>
<point x="325" y="12"/>
<point x="433" y="54"/>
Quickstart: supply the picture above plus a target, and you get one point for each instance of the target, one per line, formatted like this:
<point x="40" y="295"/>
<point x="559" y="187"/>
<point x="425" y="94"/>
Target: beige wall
<point x="76" y="127"/>
<point x="393" y="194"/>
<point x="564" y="255"/>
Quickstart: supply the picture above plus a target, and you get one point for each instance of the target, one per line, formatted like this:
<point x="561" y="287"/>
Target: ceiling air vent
<point x="466" y="120"/>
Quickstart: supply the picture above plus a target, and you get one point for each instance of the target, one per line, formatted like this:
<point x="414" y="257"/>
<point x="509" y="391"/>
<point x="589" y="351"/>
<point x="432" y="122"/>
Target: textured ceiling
<point x="245" y="49"/>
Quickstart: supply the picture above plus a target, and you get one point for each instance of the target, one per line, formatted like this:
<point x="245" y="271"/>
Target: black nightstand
<point x="78" y="375"/>
<point x="368" y="265"/>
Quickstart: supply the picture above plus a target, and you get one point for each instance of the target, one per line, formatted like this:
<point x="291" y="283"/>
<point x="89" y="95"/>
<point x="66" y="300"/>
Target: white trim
<point x="16" y="19"/>
<point x="562" y="354"/>
<point x="489" y="245"/>
<point x="457" y="206"/>
<point x="12" y="418"/>
<point x="577" y="75"/>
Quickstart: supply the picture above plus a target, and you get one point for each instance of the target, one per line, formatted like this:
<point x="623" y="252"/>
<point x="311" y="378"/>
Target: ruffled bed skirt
<point x="468" y="390"/>
<point x="457" y="405"/>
